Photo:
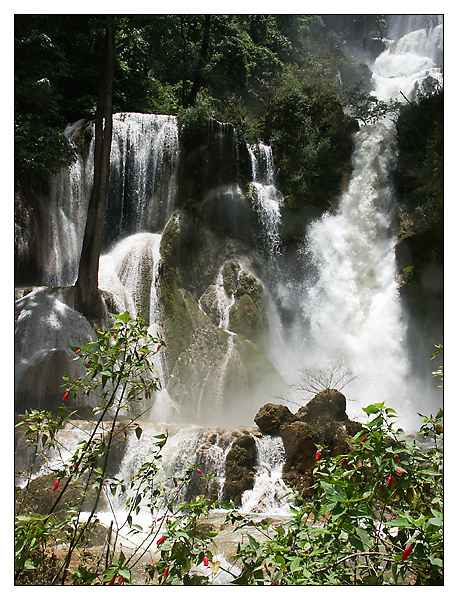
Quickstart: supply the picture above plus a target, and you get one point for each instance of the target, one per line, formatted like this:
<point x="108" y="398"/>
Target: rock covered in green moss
<point x="271" y="418"/>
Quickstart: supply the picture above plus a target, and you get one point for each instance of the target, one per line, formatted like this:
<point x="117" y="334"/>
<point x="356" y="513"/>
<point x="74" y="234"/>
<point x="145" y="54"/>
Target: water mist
<point x="349" y="306"/>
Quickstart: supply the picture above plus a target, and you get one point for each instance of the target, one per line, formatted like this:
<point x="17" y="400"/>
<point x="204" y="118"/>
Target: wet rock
<point x="240" y="471"/>
<point x="272" y="417"/>
<point x="38" y="497"/>
<point x="323" y="421"/>
<point x="330" y="404"/>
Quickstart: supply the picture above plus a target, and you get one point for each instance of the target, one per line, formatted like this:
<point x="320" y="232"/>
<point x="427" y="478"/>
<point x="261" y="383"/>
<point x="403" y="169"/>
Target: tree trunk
<point x="197" y="83"/>
<point x="88" y="297"/>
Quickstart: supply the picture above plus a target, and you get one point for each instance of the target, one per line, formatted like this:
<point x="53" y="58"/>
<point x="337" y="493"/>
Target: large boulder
<point x="329" y="404"/>
<point x="323" y="421"/>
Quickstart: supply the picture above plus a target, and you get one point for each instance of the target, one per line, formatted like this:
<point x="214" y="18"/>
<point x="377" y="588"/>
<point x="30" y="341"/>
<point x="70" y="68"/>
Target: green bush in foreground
<point x="376" y="515"/>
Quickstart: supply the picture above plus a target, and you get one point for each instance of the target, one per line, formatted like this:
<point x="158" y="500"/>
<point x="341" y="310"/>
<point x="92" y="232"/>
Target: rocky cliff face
<point x="211" y="303"/>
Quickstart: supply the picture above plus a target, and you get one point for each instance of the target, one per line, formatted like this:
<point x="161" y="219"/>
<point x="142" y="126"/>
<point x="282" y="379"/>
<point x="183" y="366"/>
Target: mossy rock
<point x="247" y="284"/>
<point x="272" y="417"/>
<point x="231" y="272"/>
<point x="248" y="319"/>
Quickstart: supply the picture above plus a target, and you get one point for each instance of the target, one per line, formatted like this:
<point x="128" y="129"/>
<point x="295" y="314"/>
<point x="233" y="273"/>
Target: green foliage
<point x="55" y="82"/>
<point x="311" y="139"/>
<point x="119" y="373"/>
<point x="419" y="175"/>
<point x="440" y="371"/>
<point x="160" y="63"/>
<point x="185" y="547"/>
<point x="368" y="108"/>
<point x="375" y="517"/>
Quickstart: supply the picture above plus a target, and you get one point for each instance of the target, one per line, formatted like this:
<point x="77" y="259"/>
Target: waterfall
<point x="65" y="216"/>
<point x="143" y="164"/>
<point x="130" y="275"/>
<point x="265" y="195"/>
<point x="269" y="494"/>
<point x="351" y="306"/>
<point x="224" y="302"/>
<point x="144" y="158"/>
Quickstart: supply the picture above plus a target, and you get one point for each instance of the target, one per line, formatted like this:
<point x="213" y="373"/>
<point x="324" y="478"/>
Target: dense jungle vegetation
<point x="281" y="78"/>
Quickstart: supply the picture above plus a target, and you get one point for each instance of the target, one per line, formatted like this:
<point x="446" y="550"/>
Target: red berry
<point x="406" y="552"/>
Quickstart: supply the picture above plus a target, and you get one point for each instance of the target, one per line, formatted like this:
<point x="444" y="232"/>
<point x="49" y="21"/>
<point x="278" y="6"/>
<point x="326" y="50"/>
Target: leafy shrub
<point x="376" y="516"/>
<point x="311" y="138"/>
<point x="419" y="175"/>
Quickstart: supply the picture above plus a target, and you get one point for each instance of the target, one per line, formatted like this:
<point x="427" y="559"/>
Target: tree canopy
<point x="280" y="78"/>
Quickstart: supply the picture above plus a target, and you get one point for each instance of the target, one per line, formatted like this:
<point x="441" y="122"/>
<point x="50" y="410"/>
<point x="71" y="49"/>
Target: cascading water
<point x="266" y="196"/>
<point x="143" y="163"/>
<point x="350" y="305"/>
<point x="144" y="157"/>
<point x="66" y="216"/>
<point x="346" y="308"/>
<point x="269" y="494"/>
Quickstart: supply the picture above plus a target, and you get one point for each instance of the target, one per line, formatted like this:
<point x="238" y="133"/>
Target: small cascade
<point x="62" y="236"/>
<point x="144" y="159"/>
<point x="266" y="197"/>
<point x="224" y="301"/>
<point x="129" y="272"/>
<point x="222" y="138"/>
<point x="223" y="375"/>
<point x="270" y="493"/>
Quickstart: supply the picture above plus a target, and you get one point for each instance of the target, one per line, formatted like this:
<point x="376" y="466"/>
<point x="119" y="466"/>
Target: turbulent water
<point x="350" y="312"/>
<point x="266" y="196"/>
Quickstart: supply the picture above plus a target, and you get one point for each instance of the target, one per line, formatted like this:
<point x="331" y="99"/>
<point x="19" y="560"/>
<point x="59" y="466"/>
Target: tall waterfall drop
<point x="144" y="155"/>
<point x="350" y="304"/>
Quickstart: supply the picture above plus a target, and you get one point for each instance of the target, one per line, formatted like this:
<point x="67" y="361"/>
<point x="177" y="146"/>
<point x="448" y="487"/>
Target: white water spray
<point x="270" y="493"/>
<point x="266" y="197"/>
<point x="353" y="307"/>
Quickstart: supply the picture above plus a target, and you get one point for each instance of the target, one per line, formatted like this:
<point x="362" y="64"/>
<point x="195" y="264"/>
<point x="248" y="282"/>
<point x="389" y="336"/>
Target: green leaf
<point x="363" y="536"/>
<point x="124" y="317"/>
<point x="373" y="408"/>
<point x="138" y="432"/>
